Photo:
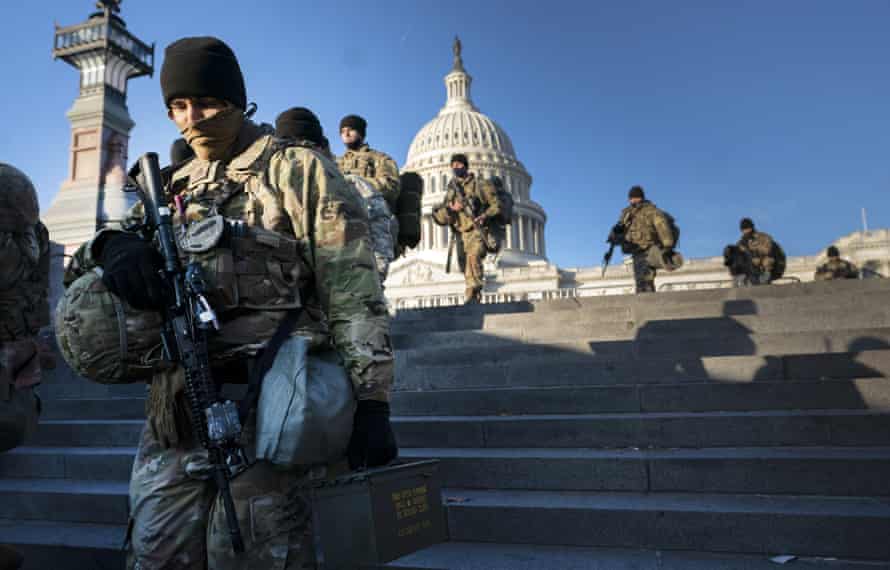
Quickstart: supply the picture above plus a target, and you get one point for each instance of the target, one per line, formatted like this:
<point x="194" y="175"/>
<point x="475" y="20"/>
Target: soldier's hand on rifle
<point x="130" y="271"/>
<point x="373" y="442"/>
<point x="456" y="205"/>
<point x="479" y="220"/>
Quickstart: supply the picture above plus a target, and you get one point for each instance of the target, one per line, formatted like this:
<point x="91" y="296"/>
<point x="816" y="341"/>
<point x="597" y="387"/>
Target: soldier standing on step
<point x="313" y="253"/>
<point x="470" y="207"/>
<point x="649" y="236"/>
<point x="24" y="281"/>
<point x="836" y="268"/>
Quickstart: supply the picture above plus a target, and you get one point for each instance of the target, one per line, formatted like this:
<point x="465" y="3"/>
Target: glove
<point x="373" y="442"/>
<point x="130" y="271"/>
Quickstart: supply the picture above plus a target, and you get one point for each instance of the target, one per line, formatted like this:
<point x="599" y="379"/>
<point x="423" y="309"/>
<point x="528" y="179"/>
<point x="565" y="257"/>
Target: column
<point x="521" y="234"/>
<point x="536" y="233"/>
<point x="509" y="244"/>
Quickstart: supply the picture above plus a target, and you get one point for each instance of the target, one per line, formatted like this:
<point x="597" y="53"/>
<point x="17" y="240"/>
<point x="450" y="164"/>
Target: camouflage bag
<point x="18" y="200"/>
<point x="105" y="340"/>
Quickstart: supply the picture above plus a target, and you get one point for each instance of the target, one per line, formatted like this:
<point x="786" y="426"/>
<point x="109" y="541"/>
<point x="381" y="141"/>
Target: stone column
<point x="522" y="243"/>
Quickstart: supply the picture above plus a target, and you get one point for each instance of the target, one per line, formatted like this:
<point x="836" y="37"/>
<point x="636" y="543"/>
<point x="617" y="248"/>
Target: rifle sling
<point x="264" y="362"/>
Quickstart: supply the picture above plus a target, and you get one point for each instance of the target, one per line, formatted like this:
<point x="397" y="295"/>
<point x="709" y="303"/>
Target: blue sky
<point x="774" y="109"/>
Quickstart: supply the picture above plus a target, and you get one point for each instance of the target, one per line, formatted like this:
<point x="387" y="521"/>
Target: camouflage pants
<point x="177" y="521"/>
<point x="474" y="252"/>
<point x="752" y="279"/>
<point x="644" y="273"/>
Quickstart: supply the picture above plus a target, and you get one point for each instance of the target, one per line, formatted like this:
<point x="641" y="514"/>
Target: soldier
<point x="836" y="268"/>
<point x="24" y="280"/>
<point x="316" y="251"/>
<point x="767" y="260"/>
<point x="469" y="207"/>
<point x="376" y="177"/>
<point x="360" y="159"/>
<point x="649" y="235"/>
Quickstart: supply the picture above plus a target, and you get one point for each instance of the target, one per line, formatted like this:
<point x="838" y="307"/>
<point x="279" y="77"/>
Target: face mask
<point x="460" y="172"/>
<point x="212" y="138"/>
<point x="355" y="145"/>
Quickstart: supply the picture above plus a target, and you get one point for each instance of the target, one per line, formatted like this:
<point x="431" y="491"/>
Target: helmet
<point x="18" y="200"/>
<point x="104" y="339"/>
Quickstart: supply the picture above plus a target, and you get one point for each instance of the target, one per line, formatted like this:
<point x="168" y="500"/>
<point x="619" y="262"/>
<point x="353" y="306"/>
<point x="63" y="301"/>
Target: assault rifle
<point x="616" y="237"/>
<point x="188" y="318"/>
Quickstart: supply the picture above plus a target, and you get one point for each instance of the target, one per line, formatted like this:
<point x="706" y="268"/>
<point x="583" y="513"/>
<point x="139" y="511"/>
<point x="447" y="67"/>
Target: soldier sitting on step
<point x="836" y="268"/>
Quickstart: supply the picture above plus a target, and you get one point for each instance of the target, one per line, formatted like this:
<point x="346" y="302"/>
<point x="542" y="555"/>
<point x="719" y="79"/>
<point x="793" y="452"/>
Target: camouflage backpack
<point x="672" y="224"/>
<point x="505" y="201"/>
<point x="24" y="257"/>
<point x="102" y="338"/>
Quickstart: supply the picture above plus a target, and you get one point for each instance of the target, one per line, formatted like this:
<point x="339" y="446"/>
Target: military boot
<point x="472" y="295"/>
<point x="10" y="559"/>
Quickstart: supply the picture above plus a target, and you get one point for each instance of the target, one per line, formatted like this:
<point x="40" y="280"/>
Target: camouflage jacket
<point x="483" y="200"/>
<point x="316" y="253"/>
<point x="645" y="226"/>
<point x="376" y="167"/>
<point x="24" y="282"/>
<point x="762" y="249"/>
<point x="836" y="268"/>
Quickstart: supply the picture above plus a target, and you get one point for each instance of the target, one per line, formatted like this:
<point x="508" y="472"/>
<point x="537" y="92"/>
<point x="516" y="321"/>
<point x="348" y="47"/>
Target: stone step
<point x="657" y="430"/>
<point x="64" y="500"/>
<point x="862" y="471"/>
<point x="649" y="430"/>
<point x="71" y="462"/>
<point x="755" y="524"/>
<point x="810" y="308"/>
<point x="777" y="293"/>
<point x="93" y="408"/>
<point x="576" y="369"/>
<point x="475" y="348"/>
<point x="500" y="556"/>
<point x="87" y="433"/>
<point x="65" y="546"/>
<point x="585" y="323"/>
<point x="862" y="393"/>
<point x="859" y="394"/>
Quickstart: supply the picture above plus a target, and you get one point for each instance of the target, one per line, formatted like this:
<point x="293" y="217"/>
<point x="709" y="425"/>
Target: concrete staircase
<point x="707" y="429"/>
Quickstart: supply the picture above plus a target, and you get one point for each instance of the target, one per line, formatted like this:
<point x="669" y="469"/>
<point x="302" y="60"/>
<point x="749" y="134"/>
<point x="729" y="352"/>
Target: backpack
<point x="505" y="201"/>
<point x="779" y="263"/>
<point x="672" y="224"/>
<point x="408" y="209"/>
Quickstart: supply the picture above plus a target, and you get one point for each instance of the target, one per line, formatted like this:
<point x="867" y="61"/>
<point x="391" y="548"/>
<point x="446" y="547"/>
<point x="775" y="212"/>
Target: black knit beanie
<point x="299" y="123"/>
<point x="746" y="223"/>
<point x="833" y="252"/>
<point x="461" y="158"/>
<point x="355" y="122"/>
<point x="180" y="151"/>
<point x="202" y="67"/>
<point x="636" y="192"/>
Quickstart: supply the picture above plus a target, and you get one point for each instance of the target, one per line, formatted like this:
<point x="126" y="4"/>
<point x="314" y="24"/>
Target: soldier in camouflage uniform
<point x="765" y="254"/>
<point x="835" y="267"/>
<point x="24" y="280"/>
<point x="306" y="244"/>
<point x="376" y="177"/>
<point x="469" y="207"/>
<point x="644" y="232"/>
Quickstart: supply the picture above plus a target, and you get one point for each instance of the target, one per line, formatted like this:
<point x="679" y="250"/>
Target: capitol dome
<point x="460" y="127"/>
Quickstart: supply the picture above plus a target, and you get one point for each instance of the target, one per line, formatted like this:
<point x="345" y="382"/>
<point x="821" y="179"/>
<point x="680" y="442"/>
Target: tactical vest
<point x="230" y="221"/>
